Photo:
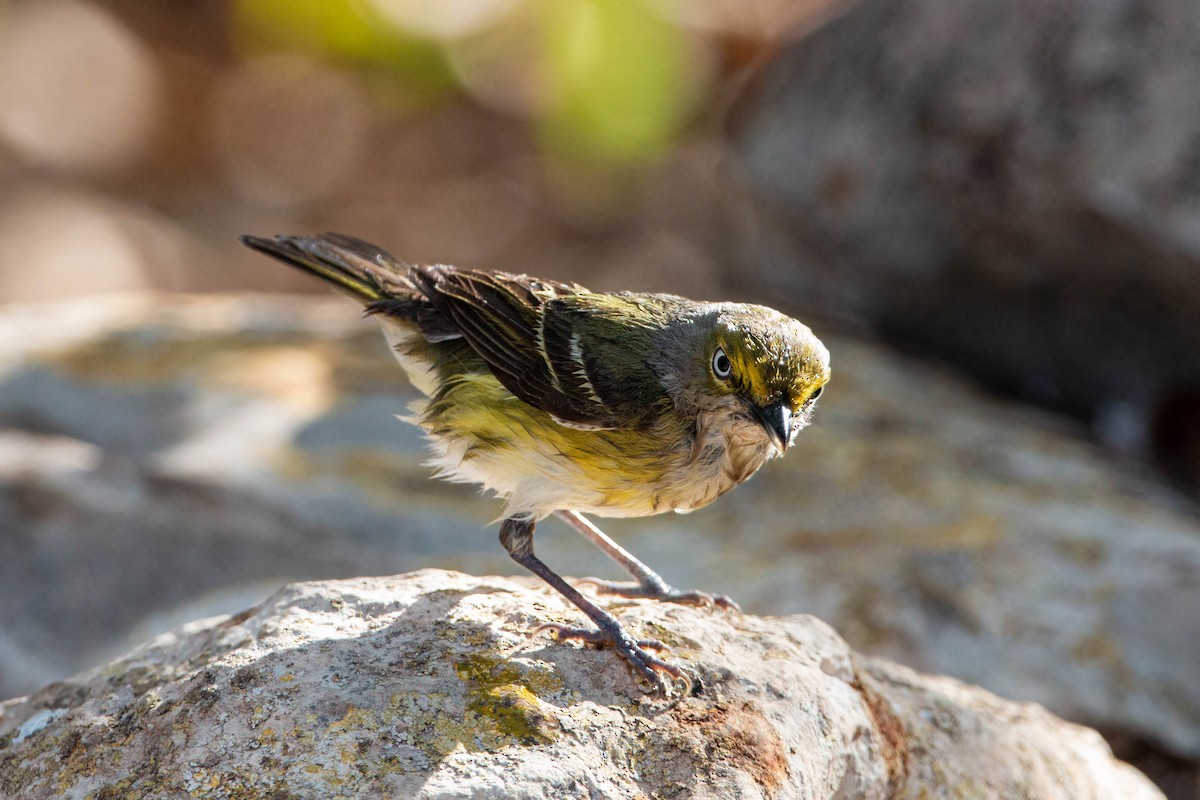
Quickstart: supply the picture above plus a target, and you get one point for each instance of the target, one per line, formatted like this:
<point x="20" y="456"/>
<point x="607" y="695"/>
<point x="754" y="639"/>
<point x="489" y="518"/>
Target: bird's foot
<point x="660" y="591"/>
<point x="635" y="651"/>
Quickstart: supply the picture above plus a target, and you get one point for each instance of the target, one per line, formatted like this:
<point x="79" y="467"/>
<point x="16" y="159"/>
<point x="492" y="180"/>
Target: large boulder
<point x="427" y="686"/>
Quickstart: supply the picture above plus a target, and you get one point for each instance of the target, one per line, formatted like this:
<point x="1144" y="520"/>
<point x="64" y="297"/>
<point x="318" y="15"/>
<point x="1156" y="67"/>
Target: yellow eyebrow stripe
<point x="751" y="375"/>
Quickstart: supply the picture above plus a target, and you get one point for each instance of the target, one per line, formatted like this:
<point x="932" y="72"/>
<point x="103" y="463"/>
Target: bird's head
<point x="760" y="365"/>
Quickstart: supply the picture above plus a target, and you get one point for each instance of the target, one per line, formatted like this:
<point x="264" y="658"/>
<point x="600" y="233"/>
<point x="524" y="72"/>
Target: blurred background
<point x="991" y="211"/>
<point x="567" y="138"/>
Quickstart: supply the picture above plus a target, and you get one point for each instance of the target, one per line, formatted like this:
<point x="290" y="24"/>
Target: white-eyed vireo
<point x="565" y="401"/>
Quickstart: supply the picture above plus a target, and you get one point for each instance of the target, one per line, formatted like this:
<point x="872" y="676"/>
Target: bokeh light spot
<point x="288" y="130"/>
<point x="56" y="243"/>
<point x="78" y="91"/>
<point x="625" y="80"/>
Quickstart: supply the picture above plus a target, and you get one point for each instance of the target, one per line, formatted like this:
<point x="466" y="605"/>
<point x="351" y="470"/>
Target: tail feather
<point x="353" y="266"/>
<point x="360" y="269"/>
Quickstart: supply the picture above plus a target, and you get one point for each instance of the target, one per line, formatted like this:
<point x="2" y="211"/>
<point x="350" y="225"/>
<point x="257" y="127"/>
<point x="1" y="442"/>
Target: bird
<point x="567" y="402"/>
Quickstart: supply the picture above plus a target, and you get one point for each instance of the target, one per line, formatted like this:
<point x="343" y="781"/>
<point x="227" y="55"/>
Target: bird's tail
<point x="357" y="268"/>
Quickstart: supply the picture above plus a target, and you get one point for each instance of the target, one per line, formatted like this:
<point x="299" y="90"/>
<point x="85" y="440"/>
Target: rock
<point x="1012" y="188"/>
<point x="426" y="686"/>
<point x="170" y="457"/>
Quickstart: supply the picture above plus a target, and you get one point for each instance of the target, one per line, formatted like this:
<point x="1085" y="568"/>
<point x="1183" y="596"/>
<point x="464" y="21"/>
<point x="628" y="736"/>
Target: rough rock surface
<point x="1013" y="186"/>
<point x="163" y="459"/>
<point x="425" y="686"/>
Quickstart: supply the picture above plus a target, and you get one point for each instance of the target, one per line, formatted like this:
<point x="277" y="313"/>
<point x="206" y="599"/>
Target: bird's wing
<point x="581" y="357"/>
<point x="570" y="352"/>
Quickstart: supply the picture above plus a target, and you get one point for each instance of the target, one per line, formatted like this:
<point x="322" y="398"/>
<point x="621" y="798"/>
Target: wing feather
<point x="570" y="352"/>
<point x="536" y="335"/>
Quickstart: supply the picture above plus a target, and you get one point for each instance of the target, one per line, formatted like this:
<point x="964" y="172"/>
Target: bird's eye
<point x="720" y="364"/>
<point x="816" y="394"/>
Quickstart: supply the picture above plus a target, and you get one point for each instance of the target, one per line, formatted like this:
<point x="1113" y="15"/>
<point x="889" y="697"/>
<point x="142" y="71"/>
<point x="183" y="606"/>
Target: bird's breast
<point x="725" y="451"/>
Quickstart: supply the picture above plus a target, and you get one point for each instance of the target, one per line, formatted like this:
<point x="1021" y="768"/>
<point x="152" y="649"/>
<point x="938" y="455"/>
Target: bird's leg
<point x="516" y="534"/>
<point x="649" y="583"/>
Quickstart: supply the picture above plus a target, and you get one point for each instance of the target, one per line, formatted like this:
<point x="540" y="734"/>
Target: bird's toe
<point x="636" y="652"/>
<point x="661" y="592"/>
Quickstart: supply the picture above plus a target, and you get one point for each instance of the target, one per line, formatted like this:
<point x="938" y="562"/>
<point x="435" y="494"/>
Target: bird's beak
<point x="777" y="419"/>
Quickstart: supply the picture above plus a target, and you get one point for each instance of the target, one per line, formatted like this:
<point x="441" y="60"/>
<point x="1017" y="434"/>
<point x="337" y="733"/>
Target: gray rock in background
<point x="426" y="686"/>
<point x="168" y="457"/>
<point x="1014" y="187"/>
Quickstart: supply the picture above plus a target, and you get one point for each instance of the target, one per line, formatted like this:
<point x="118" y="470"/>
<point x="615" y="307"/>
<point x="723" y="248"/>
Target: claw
<point x="633" y="651"/>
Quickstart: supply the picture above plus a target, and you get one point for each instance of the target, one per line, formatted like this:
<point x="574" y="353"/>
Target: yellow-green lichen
<point x="489" y="670"/>
<point x="502" y="702"/>
<point x="517" y="714"/>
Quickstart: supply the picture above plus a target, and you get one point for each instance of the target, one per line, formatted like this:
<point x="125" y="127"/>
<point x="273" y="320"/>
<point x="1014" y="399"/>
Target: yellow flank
<point x="482" y="433"/>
